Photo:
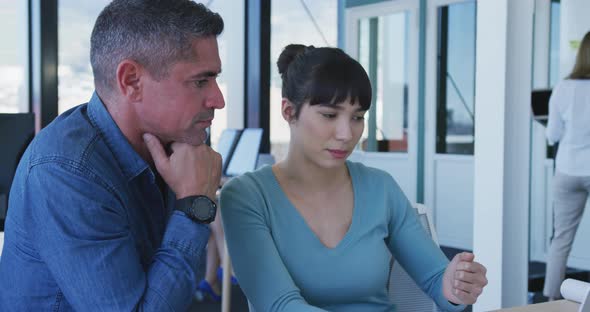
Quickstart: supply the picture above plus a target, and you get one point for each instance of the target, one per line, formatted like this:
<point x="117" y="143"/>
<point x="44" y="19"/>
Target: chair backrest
<point x="245" y="155"/>
<point x="226" y="146"/>
<point x="16" y="131"/>
<point x="401" y="288"/>
<point x="265" y="159"/>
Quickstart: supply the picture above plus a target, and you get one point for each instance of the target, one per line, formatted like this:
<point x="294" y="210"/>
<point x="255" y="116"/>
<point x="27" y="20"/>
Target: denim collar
<point x="129" y="161"/>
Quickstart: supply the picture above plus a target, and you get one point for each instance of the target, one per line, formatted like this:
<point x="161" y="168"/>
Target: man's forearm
<point x="174" y="273"/>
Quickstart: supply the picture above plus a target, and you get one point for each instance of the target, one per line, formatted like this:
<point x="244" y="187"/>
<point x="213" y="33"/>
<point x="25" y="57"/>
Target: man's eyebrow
<point x="206" y="74"/>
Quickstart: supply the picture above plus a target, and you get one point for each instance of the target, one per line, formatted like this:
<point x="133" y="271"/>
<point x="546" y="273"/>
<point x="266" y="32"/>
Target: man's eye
<point x="358" y="118"/>
<point x="201" y="83"/>
<point x="328" y="115"/>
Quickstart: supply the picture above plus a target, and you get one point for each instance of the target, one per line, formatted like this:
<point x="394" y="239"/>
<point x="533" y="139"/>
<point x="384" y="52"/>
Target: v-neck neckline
<point x="347" y="236"/>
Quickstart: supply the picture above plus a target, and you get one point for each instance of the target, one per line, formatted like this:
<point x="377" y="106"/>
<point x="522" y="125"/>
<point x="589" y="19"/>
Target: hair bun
<point x="289" y="54"/>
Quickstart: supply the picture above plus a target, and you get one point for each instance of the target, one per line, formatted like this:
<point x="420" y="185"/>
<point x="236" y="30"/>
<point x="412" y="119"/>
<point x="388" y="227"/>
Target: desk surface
<point x="553" y="306"/>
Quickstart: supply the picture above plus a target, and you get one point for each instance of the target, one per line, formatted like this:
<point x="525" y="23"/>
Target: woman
<point x="569" y="115"/>
<point x="314" y="232"/>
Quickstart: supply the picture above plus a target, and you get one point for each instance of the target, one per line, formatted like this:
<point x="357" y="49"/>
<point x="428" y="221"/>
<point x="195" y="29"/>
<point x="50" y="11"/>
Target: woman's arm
<point x="415" y="250"/>
<point x="555" y="124"/>
<point x="256" y="260"/>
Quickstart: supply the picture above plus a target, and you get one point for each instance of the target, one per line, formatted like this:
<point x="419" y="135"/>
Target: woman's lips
<point x="339" y="154"/>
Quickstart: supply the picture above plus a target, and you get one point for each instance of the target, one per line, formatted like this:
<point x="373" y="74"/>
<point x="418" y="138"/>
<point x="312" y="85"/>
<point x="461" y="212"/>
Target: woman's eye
<point x="358" y="118"/>
<point x="328" y="115"/>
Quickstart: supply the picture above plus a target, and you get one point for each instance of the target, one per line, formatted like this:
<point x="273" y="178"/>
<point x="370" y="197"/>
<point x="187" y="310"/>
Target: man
<point x="110" y="204"/>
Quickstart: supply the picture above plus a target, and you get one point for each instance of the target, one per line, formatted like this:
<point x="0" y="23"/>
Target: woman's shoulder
<point x="365" y="172"/>
<point x="564" y="90"/>
<point x="373" y="179"/>
<point x="571" y="83"/>
<point x="249" y="181"/>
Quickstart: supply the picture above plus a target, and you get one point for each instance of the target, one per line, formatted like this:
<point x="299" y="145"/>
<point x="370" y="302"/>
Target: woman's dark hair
<point x="325" y="76"/>
<point x="582" y="66"/>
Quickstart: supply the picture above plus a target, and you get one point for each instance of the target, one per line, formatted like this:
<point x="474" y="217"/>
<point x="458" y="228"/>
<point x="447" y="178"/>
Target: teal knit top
<point x="281" y="265"/>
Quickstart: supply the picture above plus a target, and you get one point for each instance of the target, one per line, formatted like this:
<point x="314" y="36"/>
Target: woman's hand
<point x="464" y="279"/>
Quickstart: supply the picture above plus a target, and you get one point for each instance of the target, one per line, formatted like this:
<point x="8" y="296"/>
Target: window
<point x="455" y="110"/>
<point x="231" y="79"/>
<point x="13" y="57"/>
<point x="302" y="22"/>
<point x="383" y="52"/>
<point x="76" y="20"/>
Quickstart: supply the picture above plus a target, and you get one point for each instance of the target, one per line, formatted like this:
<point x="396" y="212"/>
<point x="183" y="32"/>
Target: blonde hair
<point x="582" y="67"/>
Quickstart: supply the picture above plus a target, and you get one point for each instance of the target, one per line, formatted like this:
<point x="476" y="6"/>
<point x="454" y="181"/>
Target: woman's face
<point x="327" y="134"/>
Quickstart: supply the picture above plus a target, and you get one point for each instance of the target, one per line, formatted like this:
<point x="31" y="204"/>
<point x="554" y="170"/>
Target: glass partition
<point x="383" y="52"/>
<point x="455" y="110"/>
<point x="13" y="57"/>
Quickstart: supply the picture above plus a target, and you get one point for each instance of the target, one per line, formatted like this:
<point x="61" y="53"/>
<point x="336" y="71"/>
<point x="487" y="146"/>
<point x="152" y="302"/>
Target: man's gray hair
<point x="154" y="33"/>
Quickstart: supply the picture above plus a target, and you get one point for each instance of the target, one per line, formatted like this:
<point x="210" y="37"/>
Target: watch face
<point x="203" y="208"/>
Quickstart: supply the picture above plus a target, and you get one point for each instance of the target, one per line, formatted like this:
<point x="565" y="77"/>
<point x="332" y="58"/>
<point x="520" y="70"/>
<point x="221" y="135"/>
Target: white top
<point x="569" y="123"/>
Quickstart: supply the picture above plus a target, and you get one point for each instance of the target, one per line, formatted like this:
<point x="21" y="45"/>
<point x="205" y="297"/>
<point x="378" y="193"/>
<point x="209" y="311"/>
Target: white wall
<point x="452" y="200"/>
<point x="575" y="22"/>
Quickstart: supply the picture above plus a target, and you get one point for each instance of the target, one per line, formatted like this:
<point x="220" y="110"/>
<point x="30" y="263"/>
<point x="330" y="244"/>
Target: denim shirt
<point x="88" y="228"/>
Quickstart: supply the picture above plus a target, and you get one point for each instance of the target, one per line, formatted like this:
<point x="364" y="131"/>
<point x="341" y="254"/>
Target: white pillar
<point x="538" y="142"/>
<point x="502" y="138"/>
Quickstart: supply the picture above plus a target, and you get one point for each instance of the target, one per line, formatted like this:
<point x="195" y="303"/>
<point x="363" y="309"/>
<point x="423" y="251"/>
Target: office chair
<point x="264" y="160"/>
<point x="401" y="288"/>
<point x="16" y="132"/>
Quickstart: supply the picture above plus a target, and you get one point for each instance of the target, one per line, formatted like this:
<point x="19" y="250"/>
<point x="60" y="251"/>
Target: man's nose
<point x="216" y="100"/>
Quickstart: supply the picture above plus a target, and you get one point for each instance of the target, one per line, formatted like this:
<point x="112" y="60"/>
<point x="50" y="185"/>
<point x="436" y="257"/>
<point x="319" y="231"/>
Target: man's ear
<point x="288" y="110"/>
<point x="129" y="80"/>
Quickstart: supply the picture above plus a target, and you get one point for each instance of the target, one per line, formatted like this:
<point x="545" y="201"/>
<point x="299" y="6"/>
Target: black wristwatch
<point x="199" y="208"/>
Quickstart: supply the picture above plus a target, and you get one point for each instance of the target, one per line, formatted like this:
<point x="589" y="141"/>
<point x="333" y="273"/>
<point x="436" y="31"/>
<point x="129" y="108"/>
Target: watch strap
<point x="186" y="205"/>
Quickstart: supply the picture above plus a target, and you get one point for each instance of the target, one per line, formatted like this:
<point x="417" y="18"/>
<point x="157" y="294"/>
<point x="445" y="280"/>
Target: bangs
<point x="336" y="81"/>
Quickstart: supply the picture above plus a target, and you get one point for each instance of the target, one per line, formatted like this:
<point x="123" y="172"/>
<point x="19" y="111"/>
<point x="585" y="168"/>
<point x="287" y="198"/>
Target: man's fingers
<point x="174" y="146"/>
<point x="157" y="151"/>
